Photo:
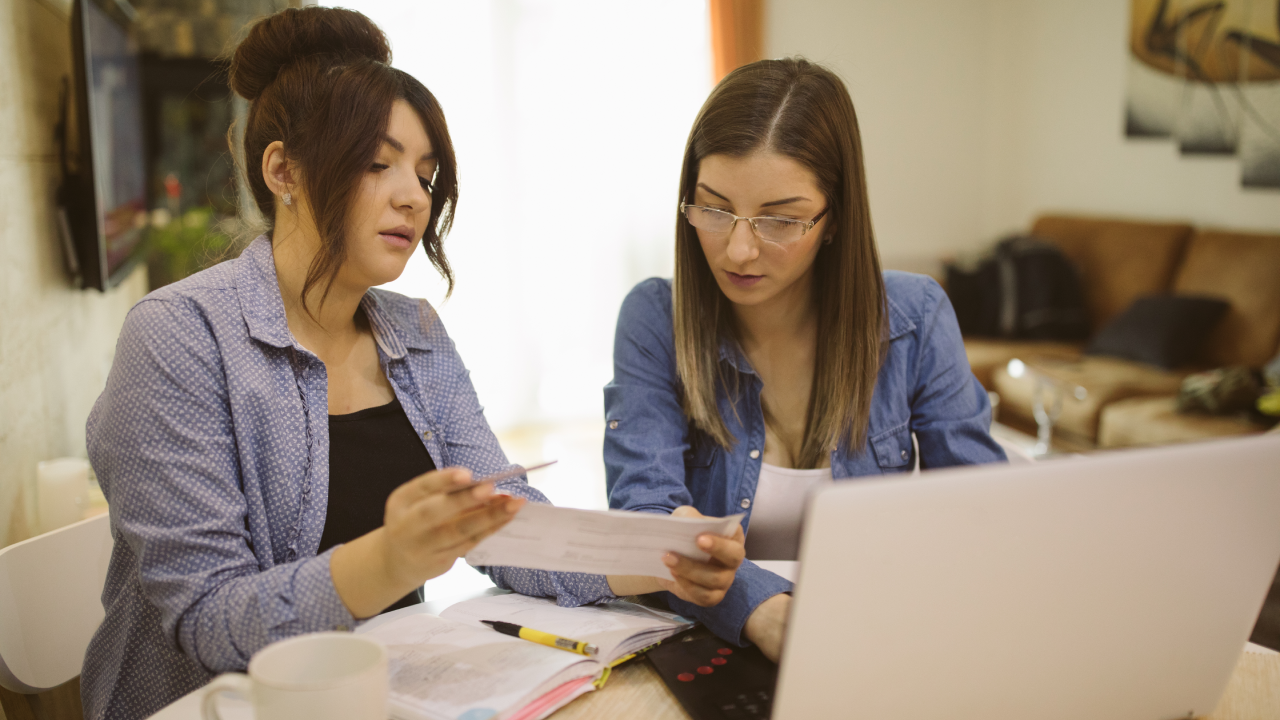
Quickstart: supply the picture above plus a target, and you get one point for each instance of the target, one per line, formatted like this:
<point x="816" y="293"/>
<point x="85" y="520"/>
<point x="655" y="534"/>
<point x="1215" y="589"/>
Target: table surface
<point x="635" y="691"/>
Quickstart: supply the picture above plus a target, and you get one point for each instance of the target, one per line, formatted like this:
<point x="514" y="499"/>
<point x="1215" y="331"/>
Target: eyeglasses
<point x="770" y="229"/>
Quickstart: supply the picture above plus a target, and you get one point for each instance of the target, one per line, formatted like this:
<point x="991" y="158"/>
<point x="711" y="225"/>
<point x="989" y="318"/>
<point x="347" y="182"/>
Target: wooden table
<point x="635" y="692"/>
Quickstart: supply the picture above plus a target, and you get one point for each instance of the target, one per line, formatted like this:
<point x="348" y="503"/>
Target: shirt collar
<point x="899" y="325"/>
<point x="263" y="308"/>
<point x="392" y="334"/>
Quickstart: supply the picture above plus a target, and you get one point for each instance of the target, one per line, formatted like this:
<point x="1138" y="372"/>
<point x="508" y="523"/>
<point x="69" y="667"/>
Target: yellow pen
<point x="542" y="638"/>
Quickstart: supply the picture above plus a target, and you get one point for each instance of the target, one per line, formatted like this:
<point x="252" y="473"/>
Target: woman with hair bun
<point x="781" y="357"/>
<point x="286" y="449"/>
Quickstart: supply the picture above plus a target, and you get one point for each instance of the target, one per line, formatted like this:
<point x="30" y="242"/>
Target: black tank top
<point x="371" y="453"/>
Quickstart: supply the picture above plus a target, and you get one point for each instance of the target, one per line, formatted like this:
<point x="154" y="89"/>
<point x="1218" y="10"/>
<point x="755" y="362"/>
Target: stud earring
<point x="288" y="199"/>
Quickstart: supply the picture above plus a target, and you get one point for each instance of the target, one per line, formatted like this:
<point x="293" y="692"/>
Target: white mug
<point x="322" y="676"/>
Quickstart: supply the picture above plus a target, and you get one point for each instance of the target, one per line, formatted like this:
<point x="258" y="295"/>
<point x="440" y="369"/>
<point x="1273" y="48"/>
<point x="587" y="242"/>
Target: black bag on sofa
<point x="1027" y="289"/>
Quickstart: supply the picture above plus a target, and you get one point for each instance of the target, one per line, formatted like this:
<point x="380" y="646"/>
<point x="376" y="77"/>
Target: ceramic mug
<point x="322" y="676"/>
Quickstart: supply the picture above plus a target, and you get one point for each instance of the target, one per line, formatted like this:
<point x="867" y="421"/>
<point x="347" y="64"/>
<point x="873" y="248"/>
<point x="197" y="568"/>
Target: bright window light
<point x="569" y="118"/>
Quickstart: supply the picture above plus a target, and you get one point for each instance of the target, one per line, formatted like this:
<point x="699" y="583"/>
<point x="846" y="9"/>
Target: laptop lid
<point x="1121" y="585"/>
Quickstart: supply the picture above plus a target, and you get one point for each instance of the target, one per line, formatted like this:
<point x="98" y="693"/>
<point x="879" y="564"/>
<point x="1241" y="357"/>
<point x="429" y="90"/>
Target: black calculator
<point x="715" y="680"/>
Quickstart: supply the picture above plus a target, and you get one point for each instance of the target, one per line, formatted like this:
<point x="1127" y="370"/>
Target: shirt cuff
<point x="325" y="610"/>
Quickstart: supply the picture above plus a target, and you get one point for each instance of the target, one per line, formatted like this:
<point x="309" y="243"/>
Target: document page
<point x="609" y="626"/>
<point x="601" y="542"/>
<point x="441" y="669"/>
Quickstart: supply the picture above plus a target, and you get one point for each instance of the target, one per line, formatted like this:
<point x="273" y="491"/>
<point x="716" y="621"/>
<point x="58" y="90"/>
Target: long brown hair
<point x="802" y="111"/>
<point x="318" y="80"/>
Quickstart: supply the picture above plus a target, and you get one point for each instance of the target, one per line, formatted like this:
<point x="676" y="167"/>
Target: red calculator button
<point x="725" y="651"/>
<point x="685" y="677"/>
<point x="705" y="670"/>
<point x="718" y="661"/>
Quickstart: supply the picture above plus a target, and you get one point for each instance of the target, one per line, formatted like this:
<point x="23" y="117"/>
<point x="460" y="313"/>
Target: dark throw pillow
<point x="1164" y="330"/>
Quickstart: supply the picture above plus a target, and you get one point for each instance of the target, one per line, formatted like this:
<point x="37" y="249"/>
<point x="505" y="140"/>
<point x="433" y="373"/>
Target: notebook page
<point x="442" y="670"/>
<point x="608" y="626"/>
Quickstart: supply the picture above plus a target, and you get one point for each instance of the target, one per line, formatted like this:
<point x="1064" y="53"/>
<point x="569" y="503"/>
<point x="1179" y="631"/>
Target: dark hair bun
<point x="288" y="36"/>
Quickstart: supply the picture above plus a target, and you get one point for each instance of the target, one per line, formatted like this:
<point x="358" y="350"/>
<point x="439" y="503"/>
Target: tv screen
<point x="107" y="199"/>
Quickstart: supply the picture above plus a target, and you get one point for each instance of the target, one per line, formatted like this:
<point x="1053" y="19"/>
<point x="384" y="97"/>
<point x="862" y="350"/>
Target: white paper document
<point x="601" y="542"/>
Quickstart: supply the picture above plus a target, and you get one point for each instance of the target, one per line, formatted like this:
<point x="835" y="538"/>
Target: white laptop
<point x="1121" y="585"/>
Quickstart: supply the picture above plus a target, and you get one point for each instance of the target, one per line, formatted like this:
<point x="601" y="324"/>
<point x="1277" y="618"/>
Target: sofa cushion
<point x="1119" y="260"/>
<point x="1105" y="379"/>
<point x="987" y="354"/>
<point x="1165" y="330"/>
<point x="1155" y="421"/>
<point x="1244" y="269"/>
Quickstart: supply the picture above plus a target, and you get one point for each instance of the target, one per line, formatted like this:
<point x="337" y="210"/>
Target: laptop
<point x="1121" y="585"/>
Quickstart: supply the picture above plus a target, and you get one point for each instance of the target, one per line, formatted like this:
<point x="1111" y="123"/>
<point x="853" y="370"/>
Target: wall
<point x="977" y="115"/>
<point x="56" y="343"/>
<point x="915" y="71"/>
<point x="1056" y="75"/>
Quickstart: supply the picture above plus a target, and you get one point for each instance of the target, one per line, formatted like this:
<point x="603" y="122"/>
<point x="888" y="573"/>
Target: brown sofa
<point x="1131" y="403"/>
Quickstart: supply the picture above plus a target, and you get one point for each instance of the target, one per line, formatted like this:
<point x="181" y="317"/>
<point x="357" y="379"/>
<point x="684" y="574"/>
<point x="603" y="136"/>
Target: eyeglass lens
<point x="718" y="221"/>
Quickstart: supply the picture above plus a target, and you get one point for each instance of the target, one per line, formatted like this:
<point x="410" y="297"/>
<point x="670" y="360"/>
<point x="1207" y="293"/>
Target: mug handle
<point x="237" y="683"/>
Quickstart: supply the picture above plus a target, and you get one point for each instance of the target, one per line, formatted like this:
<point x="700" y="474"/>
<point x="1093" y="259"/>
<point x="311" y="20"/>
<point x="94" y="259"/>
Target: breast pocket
<point x="892" y="449"/>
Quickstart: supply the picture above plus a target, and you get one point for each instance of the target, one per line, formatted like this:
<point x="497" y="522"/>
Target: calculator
<point x="715" y="680"/>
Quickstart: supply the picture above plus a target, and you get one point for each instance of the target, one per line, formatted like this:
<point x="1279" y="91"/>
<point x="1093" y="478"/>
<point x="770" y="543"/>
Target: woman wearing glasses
<point x="780" y="357"/>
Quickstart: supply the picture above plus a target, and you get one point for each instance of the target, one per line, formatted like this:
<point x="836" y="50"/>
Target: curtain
<point x="737" y="34"/>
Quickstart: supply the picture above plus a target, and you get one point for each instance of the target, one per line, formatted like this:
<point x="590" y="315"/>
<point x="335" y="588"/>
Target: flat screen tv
<point x="105" y="190"/>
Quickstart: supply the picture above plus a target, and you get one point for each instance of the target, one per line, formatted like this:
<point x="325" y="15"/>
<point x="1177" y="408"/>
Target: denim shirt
<point x="211" y="442"/>
<point x="656" y="461"/>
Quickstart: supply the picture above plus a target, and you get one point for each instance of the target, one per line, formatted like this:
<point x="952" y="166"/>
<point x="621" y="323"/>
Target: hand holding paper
<point x="701" y="583"/>
<point x="602" y="542"/>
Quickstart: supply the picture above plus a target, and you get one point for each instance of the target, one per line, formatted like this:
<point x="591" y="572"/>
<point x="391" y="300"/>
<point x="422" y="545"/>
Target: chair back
<point x="50" y="603"/>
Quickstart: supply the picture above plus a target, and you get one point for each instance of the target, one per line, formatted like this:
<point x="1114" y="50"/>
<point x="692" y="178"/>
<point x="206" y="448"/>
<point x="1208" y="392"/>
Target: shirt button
<point x="613" y="424"/>
<point x="746" y="503"/>
<point x="342" y="628"/>
<point x="905" y="454"/>
<point x="426" y="435"/>
<point x="754" y="454"/>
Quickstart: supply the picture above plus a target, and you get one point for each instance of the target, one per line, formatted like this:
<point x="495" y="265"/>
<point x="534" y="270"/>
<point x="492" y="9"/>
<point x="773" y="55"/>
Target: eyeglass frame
<point x="752" y="221"/>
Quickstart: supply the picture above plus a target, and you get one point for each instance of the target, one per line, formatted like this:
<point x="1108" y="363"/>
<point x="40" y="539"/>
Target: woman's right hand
<point x="429" y="523"/>
<point x="434" y="519"/>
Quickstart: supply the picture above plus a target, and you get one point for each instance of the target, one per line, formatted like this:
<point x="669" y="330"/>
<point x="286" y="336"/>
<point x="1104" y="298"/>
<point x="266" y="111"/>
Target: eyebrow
<point x="399" y="147"/>
<point x="771" y="203"/>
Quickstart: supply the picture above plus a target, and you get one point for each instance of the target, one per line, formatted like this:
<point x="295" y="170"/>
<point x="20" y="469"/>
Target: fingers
<point x="446" y="499"/>
<point x="444" y="480"/>
<point x="468" y="529"/>
<point x="428" y="484"/>
<point x="705" y="582"/>
<point x="728" y="552"/>
<point x="708" y="575"/>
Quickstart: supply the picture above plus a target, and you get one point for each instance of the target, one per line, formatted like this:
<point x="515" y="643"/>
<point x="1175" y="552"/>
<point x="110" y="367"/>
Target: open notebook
<point x="454" y="668"/>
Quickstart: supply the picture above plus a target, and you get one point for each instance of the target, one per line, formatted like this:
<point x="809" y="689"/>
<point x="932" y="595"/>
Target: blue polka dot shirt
<point x="211" y="442"/>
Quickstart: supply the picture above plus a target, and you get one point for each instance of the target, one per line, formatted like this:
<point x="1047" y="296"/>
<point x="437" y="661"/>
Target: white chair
<point x="50" y="605"/>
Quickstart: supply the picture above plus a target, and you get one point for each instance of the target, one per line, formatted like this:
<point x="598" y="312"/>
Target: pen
<point x="516" y="471"/>
<point x="542" y="638"/>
